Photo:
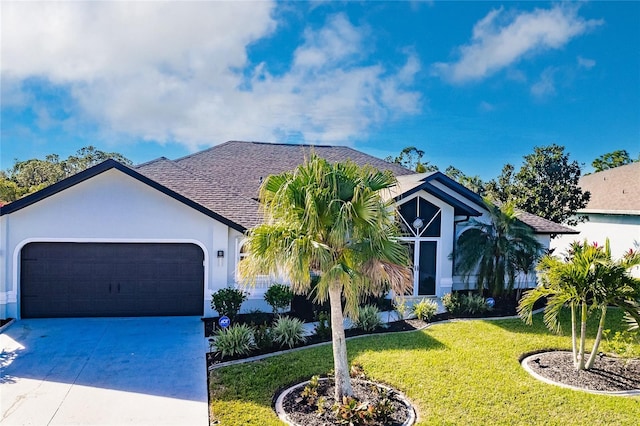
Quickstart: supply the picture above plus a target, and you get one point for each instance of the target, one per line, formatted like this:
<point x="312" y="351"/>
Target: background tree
<point x="612" y="159"/>
<point x="330" y="219"/>
<point x="26" y="177"/>
<point x="411" y="158"/>
<point x="547" y="185"/>
<point x="473" y="183"/>
<point x="501" y="188"/>
<point x="587" y="280"/>
<point x="494" y="251"/>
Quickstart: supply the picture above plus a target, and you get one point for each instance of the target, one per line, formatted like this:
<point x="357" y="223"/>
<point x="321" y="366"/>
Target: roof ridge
<point x="155" y="160"/>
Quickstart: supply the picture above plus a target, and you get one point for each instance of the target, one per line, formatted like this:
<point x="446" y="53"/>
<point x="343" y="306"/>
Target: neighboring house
<point x="613" y="211"/>
<point x="159" y="238"/>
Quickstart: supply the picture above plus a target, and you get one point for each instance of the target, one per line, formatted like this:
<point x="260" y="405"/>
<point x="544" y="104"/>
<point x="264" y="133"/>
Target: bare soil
<point x="608" y="373"/>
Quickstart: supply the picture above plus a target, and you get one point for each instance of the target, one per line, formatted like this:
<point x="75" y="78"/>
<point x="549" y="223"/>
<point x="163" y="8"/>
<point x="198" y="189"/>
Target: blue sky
<point x="473" y="84"/>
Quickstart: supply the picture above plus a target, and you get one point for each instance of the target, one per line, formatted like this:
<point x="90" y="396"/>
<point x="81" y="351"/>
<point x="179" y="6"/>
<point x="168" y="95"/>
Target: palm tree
<point x="494" y="251"/>
<point x="586" y="280"/>
<point x="330" y="220"/>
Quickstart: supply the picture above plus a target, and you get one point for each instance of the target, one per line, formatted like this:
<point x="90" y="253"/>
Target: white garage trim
<point x="12" y="295"/>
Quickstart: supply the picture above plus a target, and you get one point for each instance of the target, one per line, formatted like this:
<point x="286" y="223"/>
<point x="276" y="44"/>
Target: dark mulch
<point x="607" y="374"/>
<point x="302" y="413"/>
<point x="406" y="325"/>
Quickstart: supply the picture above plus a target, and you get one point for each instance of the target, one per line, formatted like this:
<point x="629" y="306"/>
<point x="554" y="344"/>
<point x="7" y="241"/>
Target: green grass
<point x="464" y="373"/>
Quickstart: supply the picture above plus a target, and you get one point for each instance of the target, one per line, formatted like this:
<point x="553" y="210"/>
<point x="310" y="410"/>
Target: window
<point x="420" y="218"/>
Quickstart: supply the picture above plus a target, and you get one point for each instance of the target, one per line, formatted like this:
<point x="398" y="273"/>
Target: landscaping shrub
<point x="235" y="340"/>
<point x="262" y="336"/>
<point x="462" y="304"/>
<point x="368" y="318"/>
<point x="323" y="329"/>
<point x="288" y="332"/>
<point x="353" y="412"/>
<point x="279" y="297"/>
<point x="451" y="302"/>
<point x="425" y="309"/>
<point x="227" y="301"/>
<point x="474" y="304"/>
<point x="400" y="306"/>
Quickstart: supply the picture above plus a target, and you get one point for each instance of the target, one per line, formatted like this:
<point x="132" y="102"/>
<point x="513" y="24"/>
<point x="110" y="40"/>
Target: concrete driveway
<point x="104" y="371"/>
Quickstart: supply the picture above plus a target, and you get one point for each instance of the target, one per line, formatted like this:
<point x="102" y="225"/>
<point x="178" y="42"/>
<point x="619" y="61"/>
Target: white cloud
<point x="586" y="63"/>
<point x="174" y="71"/>
<point x="501" y="39"/>
<point x="545" y="86"/>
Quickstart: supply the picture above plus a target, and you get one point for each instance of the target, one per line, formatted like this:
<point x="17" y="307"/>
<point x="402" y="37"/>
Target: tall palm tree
<point x="493" y="251"/>
<point x="586" y="280"/>
<point x="330" y="220"/>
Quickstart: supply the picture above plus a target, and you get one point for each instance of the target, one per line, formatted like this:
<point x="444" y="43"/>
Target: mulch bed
<point x="302" y="413"/>
<point x="607" y="374"/>
<point x="405" y="325"/>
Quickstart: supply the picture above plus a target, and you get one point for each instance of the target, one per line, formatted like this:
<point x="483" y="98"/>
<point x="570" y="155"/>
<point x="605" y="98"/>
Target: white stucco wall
<point x="110" y="207"/>
<point x="623" y="232"/>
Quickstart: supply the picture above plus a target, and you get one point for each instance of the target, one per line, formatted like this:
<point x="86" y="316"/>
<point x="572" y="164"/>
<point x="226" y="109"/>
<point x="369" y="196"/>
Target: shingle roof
<point x="541" y="225"/>
<point x="226" y="178"/>
<point x="614" y="190"/>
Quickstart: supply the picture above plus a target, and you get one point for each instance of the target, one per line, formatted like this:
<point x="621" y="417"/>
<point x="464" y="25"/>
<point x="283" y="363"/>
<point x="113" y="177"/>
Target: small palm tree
<point x="494" y="251"/>
<point x="330" y="220"/>
<point x="586" y="280"/>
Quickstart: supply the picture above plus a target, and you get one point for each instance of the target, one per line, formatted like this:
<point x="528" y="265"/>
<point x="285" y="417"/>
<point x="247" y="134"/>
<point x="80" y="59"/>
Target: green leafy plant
<point x="227" y="301"/>
<point x="288" y="332"/>
<point x="353" y="412"/>
<point x="368" y="318"/>
<point x="425" y="309"/>
<point x="400" y="306"/>
<point x="321" y="407"/>
<point x="452" y="303"/>
<point x="310" y="391"/>
<point x="279" y="297"/>
<point x="474" y="304"/>
<point x="383" y="409"/>
<point x="235" y="340"/>
<point x="323" y="329"/>
<point x="262" y="336"/>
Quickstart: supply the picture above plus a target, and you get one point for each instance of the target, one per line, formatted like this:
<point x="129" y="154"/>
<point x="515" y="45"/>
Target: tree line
<point x="26" y="177"/>
<point x="545" y="185"/>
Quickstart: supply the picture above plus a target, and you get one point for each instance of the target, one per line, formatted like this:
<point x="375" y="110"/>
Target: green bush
<point x="368" y="318"/>
<point x="234" y="340"/>
<point x="262" y="336"/>
<point x="400" y="306"/>
<point x="452" y="303"/>
<point x="288" y="332"/>
<point x="474" y="304"/>
<point x="279" y="297"/>
<point x="462" y="304"/>
<point x="425" y="309"/>
<point x="323" y="329"/>
<point x="227" y="301"/>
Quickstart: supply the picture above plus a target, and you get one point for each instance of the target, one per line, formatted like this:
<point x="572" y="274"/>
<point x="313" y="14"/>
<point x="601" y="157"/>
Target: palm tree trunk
<point x="340" y="360"/>
<point x="583" y="336"/>
<point x="594" y="351"/>
<point x="574" y="344"/>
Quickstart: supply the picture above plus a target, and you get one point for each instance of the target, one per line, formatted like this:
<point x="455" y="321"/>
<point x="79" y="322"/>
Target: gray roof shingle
<point x="614" y="190"/>
<point x="226" y="178"/>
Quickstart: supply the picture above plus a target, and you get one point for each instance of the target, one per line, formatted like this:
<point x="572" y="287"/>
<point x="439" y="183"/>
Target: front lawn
<point x="454" y="373"/>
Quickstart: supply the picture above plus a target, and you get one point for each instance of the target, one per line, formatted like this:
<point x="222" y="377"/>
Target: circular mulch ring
<point x="609" y="375"/>
<point x="294" y="411"/>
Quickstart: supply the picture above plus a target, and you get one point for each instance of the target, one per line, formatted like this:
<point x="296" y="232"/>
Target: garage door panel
<point x="111" y="279"/>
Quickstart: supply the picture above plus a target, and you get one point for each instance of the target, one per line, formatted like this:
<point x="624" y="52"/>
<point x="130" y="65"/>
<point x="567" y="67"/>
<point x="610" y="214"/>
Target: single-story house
<point x="613" y="211"/>
<point x="159" y="238"/>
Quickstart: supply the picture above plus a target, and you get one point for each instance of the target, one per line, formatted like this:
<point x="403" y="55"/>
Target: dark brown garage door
<point x="111" y="279"/>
